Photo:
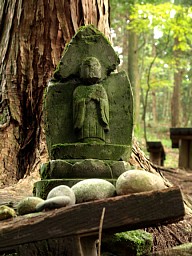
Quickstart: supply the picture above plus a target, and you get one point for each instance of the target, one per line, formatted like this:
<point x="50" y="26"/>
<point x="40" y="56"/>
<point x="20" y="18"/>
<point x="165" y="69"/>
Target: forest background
<point x="154" y="39"/>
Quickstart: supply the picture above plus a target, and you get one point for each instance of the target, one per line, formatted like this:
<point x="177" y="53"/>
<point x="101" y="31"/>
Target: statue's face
<point x="90" y="71"/>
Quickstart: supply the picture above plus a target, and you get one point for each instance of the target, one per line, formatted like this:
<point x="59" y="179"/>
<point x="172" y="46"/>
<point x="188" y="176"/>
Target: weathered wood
<point x="65" y="246"/>
<point x="157" y="153"/>
<point x="182" y="139"/>
<point x="121" y="213"/>
<point x="176" y="134"/>
<point x="184" y="153"/>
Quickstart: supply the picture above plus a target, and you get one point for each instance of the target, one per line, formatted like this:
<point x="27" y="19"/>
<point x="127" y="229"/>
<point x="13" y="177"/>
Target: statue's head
<point x="90" y="70"/>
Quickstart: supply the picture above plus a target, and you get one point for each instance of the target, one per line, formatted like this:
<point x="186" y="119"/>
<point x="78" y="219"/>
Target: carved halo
<point x="87" y="42"/>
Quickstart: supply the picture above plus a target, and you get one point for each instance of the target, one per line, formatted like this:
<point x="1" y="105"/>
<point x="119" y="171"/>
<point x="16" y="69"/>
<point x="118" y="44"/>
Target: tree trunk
<point x="33" y="36"/>
<point x="133" y="72"/>
<point x="154" y="107"/>
<point x="175" y="102"/>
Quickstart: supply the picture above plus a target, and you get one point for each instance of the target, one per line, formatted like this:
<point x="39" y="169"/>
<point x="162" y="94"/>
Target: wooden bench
<point x="157" y="153"/>
<point x="182" y="139"/>
<point x="79" y="227"/>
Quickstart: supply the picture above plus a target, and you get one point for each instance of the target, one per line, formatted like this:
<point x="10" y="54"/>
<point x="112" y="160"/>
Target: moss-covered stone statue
<point x="88" y="114"/>
<point x="90" y="104"/>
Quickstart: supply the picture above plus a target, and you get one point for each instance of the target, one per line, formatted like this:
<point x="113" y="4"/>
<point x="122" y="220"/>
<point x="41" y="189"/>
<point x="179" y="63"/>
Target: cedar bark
<point x="33" y="36"/>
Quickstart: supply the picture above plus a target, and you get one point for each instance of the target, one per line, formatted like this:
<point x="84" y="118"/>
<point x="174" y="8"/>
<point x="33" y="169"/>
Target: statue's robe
<point x="91" y="112"/>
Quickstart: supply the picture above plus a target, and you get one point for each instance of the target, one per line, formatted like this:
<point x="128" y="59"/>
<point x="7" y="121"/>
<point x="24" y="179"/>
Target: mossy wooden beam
<point x="121" y="213"/>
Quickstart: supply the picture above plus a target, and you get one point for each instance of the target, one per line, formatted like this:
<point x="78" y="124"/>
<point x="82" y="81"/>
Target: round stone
<point x="54" y="202"/>
<point x="6" y="212"/>
<point x="93" y="189"/>
<point x="135" y="181"/>
<point x="28" y="205"/>
<point x="62" y="190"/>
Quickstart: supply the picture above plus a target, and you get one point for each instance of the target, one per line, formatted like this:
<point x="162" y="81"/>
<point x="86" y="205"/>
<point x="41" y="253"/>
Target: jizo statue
<point x="90" y="104"/>
<point x="87" y="103"/>
<point x="88" y="114"/>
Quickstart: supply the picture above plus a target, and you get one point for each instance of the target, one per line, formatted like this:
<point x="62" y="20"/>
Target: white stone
<point x="54" y="202"/>
<point x="93" y="189"/>
<point x="62" y="190"/>
<point x="135" y="181"/>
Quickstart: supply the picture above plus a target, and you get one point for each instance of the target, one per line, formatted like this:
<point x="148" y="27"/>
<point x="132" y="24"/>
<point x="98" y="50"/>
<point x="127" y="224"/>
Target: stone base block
<point x="87" y="168"/>
<point x="93" y="151"/>
<point x="42" y="188"/>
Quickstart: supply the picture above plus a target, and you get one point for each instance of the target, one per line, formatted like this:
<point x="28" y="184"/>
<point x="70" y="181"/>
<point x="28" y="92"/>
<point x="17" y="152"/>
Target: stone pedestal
<point x="69" y="172"/>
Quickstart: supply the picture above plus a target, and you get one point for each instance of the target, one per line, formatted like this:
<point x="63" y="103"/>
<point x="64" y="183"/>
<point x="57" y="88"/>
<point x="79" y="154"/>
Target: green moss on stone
<point x="82" y="168"/>
<point x="42" y="187"/>
<point x="88" y="41"/>
<point x="132" y="243"/>
<point x="58" y="113"/>
<point x="45" y="171"/>
<point x="93" y="151"/>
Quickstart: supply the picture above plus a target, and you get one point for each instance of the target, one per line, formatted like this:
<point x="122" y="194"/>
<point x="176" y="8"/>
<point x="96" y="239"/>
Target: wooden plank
<point x="184" y="154"/>
<point x="68" y="246"/>
<point x="121" y="213"/>
<point x="155" y="157"/>
<point x="181" y="131"/>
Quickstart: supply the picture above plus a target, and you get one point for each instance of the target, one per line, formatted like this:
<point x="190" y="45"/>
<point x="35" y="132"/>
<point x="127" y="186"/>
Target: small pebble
<point x="54" y="202"/>
<point x="62" y="190"/>
<point x="6" y="212"/>
<point x="28" y="205"/>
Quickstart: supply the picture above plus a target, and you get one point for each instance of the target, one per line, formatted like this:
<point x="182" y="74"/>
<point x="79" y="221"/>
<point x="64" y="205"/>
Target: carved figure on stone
<point x="90" y="104"/>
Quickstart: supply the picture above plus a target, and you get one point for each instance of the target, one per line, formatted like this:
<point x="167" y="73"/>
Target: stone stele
<point x="88" y="109"/>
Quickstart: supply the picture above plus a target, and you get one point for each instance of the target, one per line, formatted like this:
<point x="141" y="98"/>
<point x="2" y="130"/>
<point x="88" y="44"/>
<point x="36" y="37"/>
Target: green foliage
<point x="165" y="41"/>
<point x="165" y="19"/>
<point x="161" y="76"/>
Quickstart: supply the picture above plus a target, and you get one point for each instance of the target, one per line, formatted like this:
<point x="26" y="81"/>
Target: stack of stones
<point x="131" y="181"/>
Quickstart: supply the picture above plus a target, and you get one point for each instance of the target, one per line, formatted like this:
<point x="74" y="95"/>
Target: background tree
<point x="165" y="27"/>
<point x="33" y="36"/>
<point x="126" y="43"/>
